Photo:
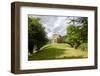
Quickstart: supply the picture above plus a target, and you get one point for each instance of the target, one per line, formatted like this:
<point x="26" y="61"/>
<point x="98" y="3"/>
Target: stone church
<point x="56" y="38"/>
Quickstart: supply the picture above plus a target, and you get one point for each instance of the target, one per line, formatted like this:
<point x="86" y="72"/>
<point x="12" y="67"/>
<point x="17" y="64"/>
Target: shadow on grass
<point x="54" y="51"/>
<point x="47" y="53"/>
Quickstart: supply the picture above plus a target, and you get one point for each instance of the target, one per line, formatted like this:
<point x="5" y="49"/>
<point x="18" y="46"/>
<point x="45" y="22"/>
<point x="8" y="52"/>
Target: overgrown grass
<point x="58" y="51"/>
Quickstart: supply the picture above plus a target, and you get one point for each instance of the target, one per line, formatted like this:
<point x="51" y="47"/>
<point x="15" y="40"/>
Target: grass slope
<point x="58" y="51"/>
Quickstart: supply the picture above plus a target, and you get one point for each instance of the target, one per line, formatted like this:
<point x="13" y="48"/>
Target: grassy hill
<point x="58" y="51"/>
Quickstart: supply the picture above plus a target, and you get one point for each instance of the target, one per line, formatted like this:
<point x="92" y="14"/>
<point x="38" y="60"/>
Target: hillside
<point x="58" y="51"/>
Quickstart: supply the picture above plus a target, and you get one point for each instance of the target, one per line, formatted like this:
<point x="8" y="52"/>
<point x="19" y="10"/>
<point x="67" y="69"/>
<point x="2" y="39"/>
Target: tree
<point x="77" y="32"/>
<point x="73" y="38"/>
<point x="84" y="28"/>
<point x="36" y="34"/>
<point x="72" y="20"/>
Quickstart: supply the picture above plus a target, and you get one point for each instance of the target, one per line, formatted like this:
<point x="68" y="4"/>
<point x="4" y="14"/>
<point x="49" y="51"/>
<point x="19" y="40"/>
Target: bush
<point x="83" y="47"/>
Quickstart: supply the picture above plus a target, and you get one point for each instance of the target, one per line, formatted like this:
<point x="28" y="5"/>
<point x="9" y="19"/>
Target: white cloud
<point x="54" y="24"/>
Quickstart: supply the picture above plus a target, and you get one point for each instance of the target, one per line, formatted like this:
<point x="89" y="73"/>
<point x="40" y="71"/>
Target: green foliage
<point x="84" y="28"/>
<point x="36" y="34"/>
<point x="73" y="37"/>
<point x="77" y="34"/>
<point x="83" y="47"/>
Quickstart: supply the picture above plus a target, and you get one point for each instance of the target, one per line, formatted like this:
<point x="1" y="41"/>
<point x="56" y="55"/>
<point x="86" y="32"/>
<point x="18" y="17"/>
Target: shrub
<point x="83" y="47"/>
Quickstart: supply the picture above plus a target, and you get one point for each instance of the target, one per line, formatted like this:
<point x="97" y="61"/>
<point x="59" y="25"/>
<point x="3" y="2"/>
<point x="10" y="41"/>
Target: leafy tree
<point x="36" y="34"/>
<point x="84" y="28"/>
<point x="73" y="37"/>
<point x="77" y="34"/>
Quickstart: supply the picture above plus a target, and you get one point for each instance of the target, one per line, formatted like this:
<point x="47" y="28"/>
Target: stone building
<point x="57" y="38"/>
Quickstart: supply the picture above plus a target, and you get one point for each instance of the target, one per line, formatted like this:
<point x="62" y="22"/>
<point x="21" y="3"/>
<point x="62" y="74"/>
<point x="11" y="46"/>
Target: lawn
<point x="58" y="51"/>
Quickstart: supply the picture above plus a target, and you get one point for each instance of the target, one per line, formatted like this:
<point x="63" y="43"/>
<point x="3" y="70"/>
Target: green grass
<point x="58" y="51"/>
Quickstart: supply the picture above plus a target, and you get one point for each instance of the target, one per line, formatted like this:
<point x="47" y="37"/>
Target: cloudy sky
<point x="53" y="24"/>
